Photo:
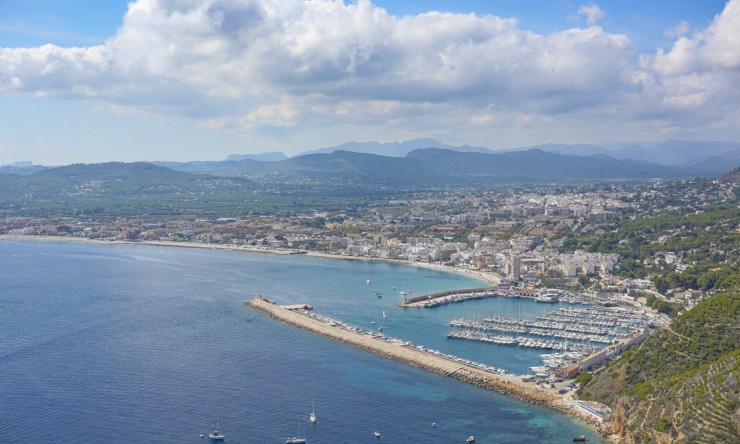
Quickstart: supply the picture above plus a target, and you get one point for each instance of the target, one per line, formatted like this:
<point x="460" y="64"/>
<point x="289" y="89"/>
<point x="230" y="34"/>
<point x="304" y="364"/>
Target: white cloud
<point x="593" y="13"/>
<point x="680" y="29"/>
<point x="213" y="124"/>
<point x="695" y="82"/>
<point x="324" y="64"/>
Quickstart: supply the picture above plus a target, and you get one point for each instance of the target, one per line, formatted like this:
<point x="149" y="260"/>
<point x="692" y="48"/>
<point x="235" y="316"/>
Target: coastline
<point x="489" y="278"/>
<point x="509" y="385"/>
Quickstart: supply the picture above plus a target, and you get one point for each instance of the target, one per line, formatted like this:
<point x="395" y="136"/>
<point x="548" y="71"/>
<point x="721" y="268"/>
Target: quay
<point x="445" y="365"/>
<point x="447" y="297"/>
<point x="432" y="300"/>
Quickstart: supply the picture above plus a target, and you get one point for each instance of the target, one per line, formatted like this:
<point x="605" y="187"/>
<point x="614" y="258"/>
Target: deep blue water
<point x="140" y="344"/>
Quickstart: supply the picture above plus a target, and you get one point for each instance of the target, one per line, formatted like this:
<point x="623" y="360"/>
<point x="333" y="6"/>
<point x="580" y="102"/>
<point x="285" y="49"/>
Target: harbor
<point x="576" y="333"/>
<point x="478" y="374"/>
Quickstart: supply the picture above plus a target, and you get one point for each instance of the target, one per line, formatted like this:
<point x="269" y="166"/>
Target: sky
<point x="87" y="81"/>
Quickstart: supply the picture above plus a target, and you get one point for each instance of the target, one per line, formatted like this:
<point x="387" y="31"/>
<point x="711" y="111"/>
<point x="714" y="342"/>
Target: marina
<point x="575" y="332"/>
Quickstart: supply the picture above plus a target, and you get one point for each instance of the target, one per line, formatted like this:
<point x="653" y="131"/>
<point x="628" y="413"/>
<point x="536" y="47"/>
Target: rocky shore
<point x="506" y="384"/>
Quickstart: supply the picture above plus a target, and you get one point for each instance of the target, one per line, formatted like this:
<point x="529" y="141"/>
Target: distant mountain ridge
<point x="270" y="156"/>
<point x="672" y="152"/>
<point x="697" y="153"/>
<point x="699" y="158"/>
<point x="436" y="166"/>
<point x="393" y="149"/>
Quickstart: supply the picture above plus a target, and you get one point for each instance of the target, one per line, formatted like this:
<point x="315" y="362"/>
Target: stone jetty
<point x="507" y="384"/>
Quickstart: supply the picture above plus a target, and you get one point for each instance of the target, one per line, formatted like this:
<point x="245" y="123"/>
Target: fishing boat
<point x="312" y="417"/>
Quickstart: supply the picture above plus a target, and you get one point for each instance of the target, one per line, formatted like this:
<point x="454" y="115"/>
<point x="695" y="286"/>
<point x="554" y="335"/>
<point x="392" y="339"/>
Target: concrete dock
<point x="506" y="384"/>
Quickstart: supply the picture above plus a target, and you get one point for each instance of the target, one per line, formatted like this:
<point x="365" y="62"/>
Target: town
<point x="524" y="235"/>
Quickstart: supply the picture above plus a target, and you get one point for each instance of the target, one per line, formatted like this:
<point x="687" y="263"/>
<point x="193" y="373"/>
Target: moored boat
<point x="216" y="435"/>
<point x="312" y="417"/>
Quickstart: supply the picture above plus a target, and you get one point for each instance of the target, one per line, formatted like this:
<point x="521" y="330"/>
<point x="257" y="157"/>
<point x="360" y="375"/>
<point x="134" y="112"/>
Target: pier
<point x="421" y="357"/>
<point x="447" y="297"/>
<point x="432" y="300"/>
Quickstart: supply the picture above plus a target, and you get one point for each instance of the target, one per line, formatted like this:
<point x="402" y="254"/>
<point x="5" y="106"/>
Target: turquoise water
<point x="135" y="343"/>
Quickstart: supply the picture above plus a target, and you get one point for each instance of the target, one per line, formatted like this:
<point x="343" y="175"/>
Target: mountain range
<point x="706" y="154"/>
<point x="441" y="167"/>
<point x="702" y="158"/>
<point x="451" y="167"/>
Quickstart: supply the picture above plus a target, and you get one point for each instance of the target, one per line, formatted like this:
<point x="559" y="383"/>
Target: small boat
<point x="470" y="439"/>
<point x="216" y="435"/>
<point x="580" y="438"/>
<point x="377" y="434"/>
<point x="384" y="315"/>
<point x="368" y="282"/>
<point x="434" y="424"/>
<point x="295" y="440"/>
<point x="312" y="417"/>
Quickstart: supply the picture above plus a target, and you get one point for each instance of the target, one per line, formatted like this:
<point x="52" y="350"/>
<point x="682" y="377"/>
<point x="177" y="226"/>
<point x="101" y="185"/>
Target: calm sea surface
<point x="144" y="344"/>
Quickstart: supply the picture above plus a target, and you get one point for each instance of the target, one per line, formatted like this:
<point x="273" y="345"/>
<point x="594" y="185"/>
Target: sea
<point x="129" y="343"/>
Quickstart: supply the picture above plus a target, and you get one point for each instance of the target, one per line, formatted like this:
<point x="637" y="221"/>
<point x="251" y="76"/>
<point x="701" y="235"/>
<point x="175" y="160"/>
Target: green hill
<point x="682" y="384"/>
<point x="118" y="189"/>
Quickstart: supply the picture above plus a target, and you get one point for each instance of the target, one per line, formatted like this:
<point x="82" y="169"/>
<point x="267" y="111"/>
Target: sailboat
<point x="295" y="440"/>
<point x="312" y="417"/>
<point x="216" y="435"/>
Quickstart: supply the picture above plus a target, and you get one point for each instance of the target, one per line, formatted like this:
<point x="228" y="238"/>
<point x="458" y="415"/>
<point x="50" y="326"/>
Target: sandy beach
<point x="475" y="274"/>
<point x="486" y="277"/>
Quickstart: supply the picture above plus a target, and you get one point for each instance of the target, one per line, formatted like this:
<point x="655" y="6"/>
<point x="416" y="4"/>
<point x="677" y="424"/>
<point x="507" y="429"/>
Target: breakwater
<point x="447" y="297"/>
<point x="507" y="384"/>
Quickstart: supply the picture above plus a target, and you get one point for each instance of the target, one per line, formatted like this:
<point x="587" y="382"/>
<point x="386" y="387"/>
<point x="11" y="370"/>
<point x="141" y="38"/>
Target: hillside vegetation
<point x="681" y="385"/>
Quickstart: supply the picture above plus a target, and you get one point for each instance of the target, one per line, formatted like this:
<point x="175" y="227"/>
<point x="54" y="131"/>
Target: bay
<point x="136" y="344"/>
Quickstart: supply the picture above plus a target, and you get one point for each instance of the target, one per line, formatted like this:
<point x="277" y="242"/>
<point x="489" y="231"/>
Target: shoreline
<point x="509" y="385"/>
<point x="474" y="274"/>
